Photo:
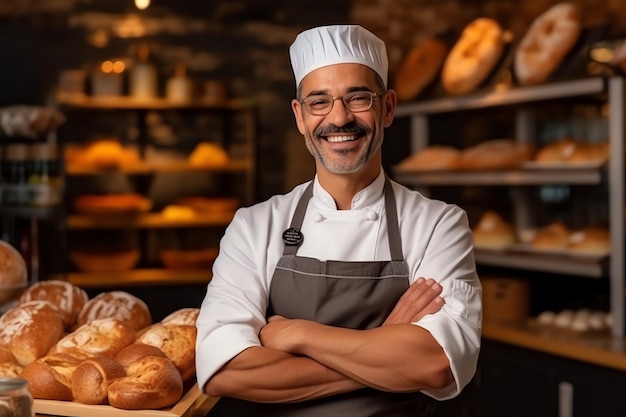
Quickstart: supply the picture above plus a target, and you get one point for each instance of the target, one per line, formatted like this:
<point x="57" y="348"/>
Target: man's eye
<point x="358" y="98"/>
<point x="320" y="102"/>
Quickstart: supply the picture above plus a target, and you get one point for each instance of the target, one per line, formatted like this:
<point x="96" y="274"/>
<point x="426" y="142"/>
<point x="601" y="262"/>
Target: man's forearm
<point x="265" y="375"/>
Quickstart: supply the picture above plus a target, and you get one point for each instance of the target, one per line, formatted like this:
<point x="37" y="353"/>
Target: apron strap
<point x="393" y="231"/>
<point x="298" y="217"/>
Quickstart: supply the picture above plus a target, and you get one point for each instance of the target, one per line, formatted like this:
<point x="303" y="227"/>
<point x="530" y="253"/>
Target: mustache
<point x="349" y="128"/>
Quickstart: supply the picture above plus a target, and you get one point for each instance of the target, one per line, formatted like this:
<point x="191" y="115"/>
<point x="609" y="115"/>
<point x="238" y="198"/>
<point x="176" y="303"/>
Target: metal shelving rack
<point x="611" y="90"/>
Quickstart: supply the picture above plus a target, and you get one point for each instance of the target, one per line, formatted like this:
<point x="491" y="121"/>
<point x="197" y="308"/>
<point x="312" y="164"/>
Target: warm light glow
<point x="107" y="66"/>
<point x="119" y="67"/>
<point x="142" y="4"/>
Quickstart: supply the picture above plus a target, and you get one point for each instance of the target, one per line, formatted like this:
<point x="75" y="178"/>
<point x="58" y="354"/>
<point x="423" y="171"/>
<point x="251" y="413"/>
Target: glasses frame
<point x="326" y="112"/>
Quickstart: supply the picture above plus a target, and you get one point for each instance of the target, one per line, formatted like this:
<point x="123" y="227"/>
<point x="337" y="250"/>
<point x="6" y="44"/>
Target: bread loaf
<point x="594" y="241"/>
<point x="29" y="330"/>
<point x="119" y="305"/>
<point x="67" y="298"/>
<point x="13" y="276"/>
<point x="50" y="376"/>
<point x="9" y="367"/>
<point x="178" y="342"/>
<point x="187" y="316"/>
<point x="136" y="351"/>
<point x="106" y="337"/>
<point x="151" y="382"/>
<point x="92" y="377"/>
<point x="551" y="237"/>
<point x="432" y="158"/>
<point x="419" y="68"/>
<point x="495" y="154"/>
<point x="493" y="232"/>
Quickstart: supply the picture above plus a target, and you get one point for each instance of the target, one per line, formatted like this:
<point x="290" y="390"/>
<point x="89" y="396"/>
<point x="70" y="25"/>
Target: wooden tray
<point x="191" y="400"/>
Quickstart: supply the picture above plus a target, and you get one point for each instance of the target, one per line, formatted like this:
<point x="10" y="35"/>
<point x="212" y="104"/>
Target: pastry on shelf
<point x="207" y="154"/>
<point x="569" y="151"/>
<point x="432" y="158"/>
<point x="207" y="205"/>
<point x="102" y="153"/>
<point x="592" y="241"/>
<point x="553" y="237"/>
<point x="105" y="261"/>
<point x="493" y="232"/>
<point x="178" y="212"/>
<point x="112" y="203"/>
<point x="13" y="275"/>
<point x="188" y="258"/>
<point x="496" y="154"/>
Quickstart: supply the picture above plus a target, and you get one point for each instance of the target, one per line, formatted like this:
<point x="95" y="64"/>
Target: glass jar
<point x="15" y="398"/>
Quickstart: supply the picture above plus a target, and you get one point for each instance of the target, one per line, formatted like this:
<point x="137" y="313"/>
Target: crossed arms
<point x="302" y="360"/>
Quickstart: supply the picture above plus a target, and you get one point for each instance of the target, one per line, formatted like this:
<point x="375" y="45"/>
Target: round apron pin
<point x="292" y="236"/>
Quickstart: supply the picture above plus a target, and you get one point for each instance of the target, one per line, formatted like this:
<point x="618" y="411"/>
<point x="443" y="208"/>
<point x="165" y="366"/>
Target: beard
<point x="339" y="162"/>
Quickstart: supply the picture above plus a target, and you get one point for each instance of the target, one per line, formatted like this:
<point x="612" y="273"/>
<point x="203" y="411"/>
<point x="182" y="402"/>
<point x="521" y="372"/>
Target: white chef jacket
<point x="436" y="242"/>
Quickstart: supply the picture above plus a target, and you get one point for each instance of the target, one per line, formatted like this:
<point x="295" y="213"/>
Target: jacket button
<point x="318" y="218"/>
<point x="372" y="215"/>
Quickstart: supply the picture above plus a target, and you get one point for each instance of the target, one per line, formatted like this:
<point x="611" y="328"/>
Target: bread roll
<point x="133" y="352"/>
<point x="207" y="154"/>
<point x="186" y="316"/>
<point x="594" y="241"/>
<point x="554" y="236"/>
<point x="119" y="305"/>
<point x="13" y="275"/>
<point x="152" y="382"/>
<point x="493" y="232"/>
<point x="495" y="154"/>
<point x="9" y="368"/>
<point x="432" y="158"/>
<point x="178" y="342"/>
<point x="558" y="151"/>
<point x="50" y="377"/>
<point x="105" y="337"/>
<point x="29" y="330"/>
<point x="67" y="298"/>
<point x="92" y="377"/>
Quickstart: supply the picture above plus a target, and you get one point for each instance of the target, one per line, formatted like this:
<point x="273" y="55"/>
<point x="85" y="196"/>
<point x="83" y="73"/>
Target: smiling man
<point x="351" y="295"/>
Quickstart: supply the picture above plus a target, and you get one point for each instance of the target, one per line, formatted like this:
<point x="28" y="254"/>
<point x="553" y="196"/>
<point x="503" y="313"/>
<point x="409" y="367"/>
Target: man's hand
<point x="420" y="299"/>
<point x="29" y="121"/>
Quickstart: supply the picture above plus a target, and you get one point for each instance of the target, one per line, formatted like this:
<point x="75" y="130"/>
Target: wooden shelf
<point x="130" y="103"/>
<point x="144" y="221"/>
<point x="137" y="277"/>
<point x="143" y="168"/>
<point x="605" y="351"/>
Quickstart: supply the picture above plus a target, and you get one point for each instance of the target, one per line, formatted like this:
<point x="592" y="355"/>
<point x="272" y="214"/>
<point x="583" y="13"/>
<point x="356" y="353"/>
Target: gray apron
<point x="355" y="295"/>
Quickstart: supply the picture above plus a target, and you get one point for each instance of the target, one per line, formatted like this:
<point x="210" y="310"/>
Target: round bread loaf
<point x="119" y="305"/>
<point x="9" y="367"/>
<point x="419" y="68"/>
<point x="67" y="298"/>
<point x="558" y="151"/>
<point x="92" y="377"/>
<point x="50" y="377"/>
<point x="550" y="37"/>
<point x="594" y="241"/>
<point x="106" y="337"/>
<point x="186" y="316"/>
<point x="552" y="237"/>
<point x="473" y="57"/>
<point x="493" y="232"/>
<point x="29" y="330"/>
<point x="13" y="275"/>
<point x="178" y="342"/>
<point x="151" y="382"/>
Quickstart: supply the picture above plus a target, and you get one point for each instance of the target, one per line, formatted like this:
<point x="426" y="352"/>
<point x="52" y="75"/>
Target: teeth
<point x="335" y="139"/>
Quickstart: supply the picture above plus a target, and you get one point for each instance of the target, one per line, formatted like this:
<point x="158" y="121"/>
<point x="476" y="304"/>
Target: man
<point x="323" y="301"/>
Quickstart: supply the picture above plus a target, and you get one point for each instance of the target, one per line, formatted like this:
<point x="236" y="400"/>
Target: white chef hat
<point x="338" y="44"/>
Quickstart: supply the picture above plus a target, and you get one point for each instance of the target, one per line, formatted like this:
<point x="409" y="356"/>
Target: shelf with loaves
<point x="103" y="352"/>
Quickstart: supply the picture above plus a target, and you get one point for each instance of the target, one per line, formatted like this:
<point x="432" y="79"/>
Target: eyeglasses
<point x="355" y="102"/>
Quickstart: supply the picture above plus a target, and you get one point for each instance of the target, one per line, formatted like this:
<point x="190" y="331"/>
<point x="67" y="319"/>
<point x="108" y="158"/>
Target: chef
<point x="351" y="295"/>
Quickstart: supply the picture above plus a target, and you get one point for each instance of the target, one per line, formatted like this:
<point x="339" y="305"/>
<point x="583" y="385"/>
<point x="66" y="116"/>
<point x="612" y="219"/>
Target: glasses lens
<point x="358" y="100"/>
<point x="319" y="104"/>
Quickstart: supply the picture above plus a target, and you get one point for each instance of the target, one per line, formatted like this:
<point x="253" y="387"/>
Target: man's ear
<point x="390" y="104"/>
<point x="296" y="106"/>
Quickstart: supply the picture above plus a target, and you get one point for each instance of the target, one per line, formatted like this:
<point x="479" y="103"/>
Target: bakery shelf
<point x="136" y="277"/>
<point x="535" y="176"/>
<point x="506" y="96"/>
<point x="31" y="212"/>
<point x="236" y="165"/>
<point x="130" y="103"/>
<point x="603" y="350"/>
<point x="561" y="264"/>
<point x="144" y="221"/>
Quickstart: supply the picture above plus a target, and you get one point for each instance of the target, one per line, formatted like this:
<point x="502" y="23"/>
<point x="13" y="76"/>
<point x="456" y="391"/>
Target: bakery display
<point x="419" y="68"/>
<point x="495" y="154"/>
<point x="118" y="305"/>
<point x="591" y="241"/>
<point x="119" y="203"/>
<point x="185" y="316"/>
<point x="207" y="154"/>
<point x="432" y="158"/>
<point x="13" y="275"/>
<point x="548" y="40"/>
<point x="493" y="232"/>
<point x="553" y="237"/>
<point x="66" y="298"/>
<point x="473" y="57"/>
<point x="566" y="150"/>
<point x="103" y="153"/>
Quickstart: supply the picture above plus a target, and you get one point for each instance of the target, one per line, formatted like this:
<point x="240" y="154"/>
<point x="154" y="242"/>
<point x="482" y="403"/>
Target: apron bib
<point x="355" y="295"/>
